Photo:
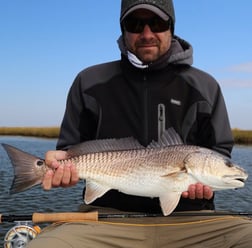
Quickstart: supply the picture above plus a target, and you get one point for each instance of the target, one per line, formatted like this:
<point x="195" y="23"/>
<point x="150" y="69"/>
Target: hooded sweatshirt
<point x="128" y="98"/>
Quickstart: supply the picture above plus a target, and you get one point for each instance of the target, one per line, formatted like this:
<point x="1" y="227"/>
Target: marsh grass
<point x="42" y="132"/>
<point x="240" y="136"/>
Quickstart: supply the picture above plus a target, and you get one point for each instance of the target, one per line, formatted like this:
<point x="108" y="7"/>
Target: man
<point x="153" y="87"/>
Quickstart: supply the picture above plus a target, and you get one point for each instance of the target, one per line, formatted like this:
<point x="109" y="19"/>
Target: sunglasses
<point x="136" y="25"/>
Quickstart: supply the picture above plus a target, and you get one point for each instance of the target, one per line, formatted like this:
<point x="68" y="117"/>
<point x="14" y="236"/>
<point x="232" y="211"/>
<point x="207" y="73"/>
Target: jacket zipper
<point x="161" y="114"/>
<point x="161" y="120"/>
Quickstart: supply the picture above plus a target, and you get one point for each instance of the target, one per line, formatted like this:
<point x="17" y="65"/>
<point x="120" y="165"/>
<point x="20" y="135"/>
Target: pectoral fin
<point x="94" y="190"/>
<point x="169" y="202"/>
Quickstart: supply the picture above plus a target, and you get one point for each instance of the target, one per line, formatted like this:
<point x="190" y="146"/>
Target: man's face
<point x="147" y="45"/>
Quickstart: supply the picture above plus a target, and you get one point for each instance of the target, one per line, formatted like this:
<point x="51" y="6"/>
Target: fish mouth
<point x="236" y="181"/>
<point x="241" y="180"/>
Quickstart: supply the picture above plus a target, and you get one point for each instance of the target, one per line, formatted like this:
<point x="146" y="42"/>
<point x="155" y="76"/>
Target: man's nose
<point x="147" y="31"/>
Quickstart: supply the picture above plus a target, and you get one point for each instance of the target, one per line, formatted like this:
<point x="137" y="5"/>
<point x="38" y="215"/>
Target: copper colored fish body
<point x="164" y="169"/>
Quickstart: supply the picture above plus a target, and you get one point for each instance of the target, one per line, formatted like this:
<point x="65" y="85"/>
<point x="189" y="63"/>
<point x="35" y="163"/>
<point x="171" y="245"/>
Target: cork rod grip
<point x="68" y="216"/>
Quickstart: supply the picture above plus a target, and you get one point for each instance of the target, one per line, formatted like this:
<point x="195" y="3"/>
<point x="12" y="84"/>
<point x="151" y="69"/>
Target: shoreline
<point x="41" y="132"/>
<point x="241" y="137"/>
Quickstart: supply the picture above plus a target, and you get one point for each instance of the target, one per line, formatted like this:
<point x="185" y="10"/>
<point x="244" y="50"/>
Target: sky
<point x="44" y="44"/>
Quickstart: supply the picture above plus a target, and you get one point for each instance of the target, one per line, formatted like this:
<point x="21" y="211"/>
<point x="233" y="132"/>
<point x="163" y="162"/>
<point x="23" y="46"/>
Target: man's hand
<point x="59" y="175"/>
<point x="198" y="191"/>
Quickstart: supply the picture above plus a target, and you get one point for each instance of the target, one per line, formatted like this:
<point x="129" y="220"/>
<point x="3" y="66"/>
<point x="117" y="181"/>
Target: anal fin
<point x="93" y="191"/>
<point x="169" y="202"/>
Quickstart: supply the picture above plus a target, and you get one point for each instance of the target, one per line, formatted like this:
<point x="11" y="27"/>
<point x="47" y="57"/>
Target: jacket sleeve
<point x="211" y="128"/>
<point x="78" y="123"/>
<point x="209" y="122"/>
<point x="223" y="139"/>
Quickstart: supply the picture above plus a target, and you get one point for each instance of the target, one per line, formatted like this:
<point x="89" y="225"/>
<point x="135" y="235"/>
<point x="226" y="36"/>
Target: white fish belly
<point x="134" y="172"/>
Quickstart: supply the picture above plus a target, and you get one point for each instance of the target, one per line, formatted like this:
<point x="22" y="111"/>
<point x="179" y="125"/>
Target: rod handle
<point x="68" y="216"/>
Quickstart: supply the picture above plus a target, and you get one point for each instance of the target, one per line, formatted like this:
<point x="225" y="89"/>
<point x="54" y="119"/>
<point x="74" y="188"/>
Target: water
<point x="69" y="199"/>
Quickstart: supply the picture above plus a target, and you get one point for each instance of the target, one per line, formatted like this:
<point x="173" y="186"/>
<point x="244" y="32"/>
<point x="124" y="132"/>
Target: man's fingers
<point x="66" y="178"/>
<point x="58" y="175"/>
<point x="192" y="192"/>
<point x="198" y="191"/>
<point x="208" y="193"/>
<point x="47" y="180"/>
<point x="70" y="176"/>
<point x="74" y="175"/>
<point x="52" y="157"/>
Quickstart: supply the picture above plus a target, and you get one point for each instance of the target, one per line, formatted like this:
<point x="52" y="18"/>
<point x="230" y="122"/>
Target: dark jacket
<point x="117" y="99"/>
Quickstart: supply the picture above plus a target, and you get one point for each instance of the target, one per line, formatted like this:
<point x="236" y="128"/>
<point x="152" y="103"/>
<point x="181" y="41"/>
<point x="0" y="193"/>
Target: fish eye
<point x="40" y="162"/>
<point x="228" y="163"/>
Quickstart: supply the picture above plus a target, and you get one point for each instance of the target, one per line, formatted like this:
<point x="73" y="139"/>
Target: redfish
<point x="164" y="169"/>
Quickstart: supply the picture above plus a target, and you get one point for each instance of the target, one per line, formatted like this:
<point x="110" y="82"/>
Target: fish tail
<point x="24" y="164"/>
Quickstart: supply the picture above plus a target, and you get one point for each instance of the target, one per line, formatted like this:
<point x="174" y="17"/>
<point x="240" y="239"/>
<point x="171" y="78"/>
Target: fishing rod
<point x="24" y="230"/>
<point x="95" y="216"/>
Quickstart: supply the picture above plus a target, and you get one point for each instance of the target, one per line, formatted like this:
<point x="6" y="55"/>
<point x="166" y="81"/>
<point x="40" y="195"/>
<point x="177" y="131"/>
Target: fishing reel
<point x="20" y="235"/>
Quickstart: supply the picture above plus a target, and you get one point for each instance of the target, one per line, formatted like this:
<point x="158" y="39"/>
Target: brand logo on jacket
<point x="175" y="102"/>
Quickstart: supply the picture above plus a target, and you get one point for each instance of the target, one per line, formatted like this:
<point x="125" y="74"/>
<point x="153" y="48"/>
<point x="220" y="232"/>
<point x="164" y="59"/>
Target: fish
<point x="163" y="169"/>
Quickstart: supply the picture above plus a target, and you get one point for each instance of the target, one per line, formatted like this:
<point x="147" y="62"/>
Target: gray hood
<point x="180" y="52"/>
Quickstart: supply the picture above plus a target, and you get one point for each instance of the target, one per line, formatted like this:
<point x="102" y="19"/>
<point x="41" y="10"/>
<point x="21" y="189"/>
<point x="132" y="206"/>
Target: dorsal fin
<point x="104" y="145"/>
<point x="168" y="138"/>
